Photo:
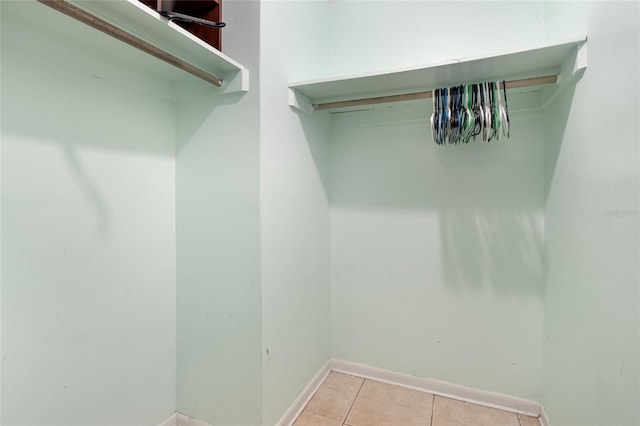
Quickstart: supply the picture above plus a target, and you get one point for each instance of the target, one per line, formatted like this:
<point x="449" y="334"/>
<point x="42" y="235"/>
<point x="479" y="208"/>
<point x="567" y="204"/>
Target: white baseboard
<point x="184" y="420"/>
<point x="179" y="419"/>
<point x="544" y="418"/>
<point x="441" y="388"/>
<point x="301" y="401"/>
<point x="169" y="421"/>
<point x="433" y="386"/>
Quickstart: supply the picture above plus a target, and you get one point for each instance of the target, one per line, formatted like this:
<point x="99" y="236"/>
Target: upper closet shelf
<point x="129" y="35"/>
<point x="528" y="70"/>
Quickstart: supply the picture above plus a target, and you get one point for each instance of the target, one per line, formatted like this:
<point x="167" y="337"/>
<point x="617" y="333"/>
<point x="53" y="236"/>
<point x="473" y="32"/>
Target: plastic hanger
<point x="465" y="111"/>
<point x="506" y="108"/>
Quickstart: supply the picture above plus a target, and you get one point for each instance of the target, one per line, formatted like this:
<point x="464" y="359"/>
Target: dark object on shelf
<point x="175" y="16"/>
<point x="200" y="17"/>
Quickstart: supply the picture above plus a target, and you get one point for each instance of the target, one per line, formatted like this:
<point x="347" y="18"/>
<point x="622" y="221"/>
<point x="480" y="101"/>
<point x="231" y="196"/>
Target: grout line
<point x="433" y="407"/>
<point x="353" y="403"/>
<point x="434" y="396"/>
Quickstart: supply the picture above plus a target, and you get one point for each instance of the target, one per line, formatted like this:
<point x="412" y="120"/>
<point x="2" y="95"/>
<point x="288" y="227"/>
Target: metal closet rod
<point x="526" y="82"/>
<point x="115" y="32"/>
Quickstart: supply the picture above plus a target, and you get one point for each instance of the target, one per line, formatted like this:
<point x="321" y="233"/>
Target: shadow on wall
<point x="479" y="206"/>
<point x="90" y="190"/>
<point x="317" y="139"/>
<point x="555" y="128"/>
<point x="486" y="248"/>
<point x="198" y="101"/>
<point x="52" y="103"/>
<point x="47" y="103"/>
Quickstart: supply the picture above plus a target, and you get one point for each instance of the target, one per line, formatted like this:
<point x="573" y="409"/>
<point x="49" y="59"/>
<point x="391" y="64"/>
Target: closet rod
<point x="93" y="21"/>
<point x="536" y="81"/>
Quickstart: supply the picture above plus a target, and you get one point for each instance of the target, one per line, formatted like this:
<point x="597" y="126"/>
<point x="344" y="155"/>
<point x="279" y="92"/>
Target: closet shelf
<point x="134" y="38"/>
<point x="147" y="25"/>
<point x="530" y="69"/>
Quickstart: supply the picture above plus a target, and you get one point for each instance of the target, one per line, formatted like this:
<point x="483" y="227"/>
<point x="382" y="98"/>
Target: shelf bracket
<point x="237" y="81"/>
<point x="580" y="62"/>
<point x="300" y="102"/>
<point x="571" y="69"/>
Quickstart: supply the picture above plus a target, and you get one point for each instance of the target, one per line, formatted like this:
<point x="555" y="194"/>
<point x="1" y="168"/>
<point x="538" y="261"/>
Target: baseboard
<point x="442" y="388"/>
<point x="433" y="386"/>
<point x="179" y="419"/>
<point x="169" y="421"/>
<point x="301" y="401"/>
<point x="184" y="420"/>
<point x="544" y="418"/>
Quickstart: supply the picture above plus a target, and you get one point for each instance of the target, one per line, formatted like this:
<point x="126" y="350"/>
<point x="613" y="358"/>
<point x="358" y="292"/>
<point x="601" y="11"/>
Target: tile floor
<point x="348" y="400"/>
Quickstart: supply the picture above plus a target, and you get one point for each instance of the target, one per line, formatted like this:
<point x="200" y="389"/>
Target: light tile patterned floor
<point x="344" y="400"/>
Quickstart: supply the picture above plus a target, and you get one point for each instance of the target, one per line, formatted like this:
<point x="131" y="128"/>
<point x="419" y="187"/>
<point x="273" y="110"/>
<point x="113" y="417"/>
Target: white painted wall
<point x="88" y="251"/>
<point x="591" y="324"/>
<point x="294" y="206"/>
<point x="369" y="36"/>
<point x="436" y="254"/>
<point x="219" y="377"/>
